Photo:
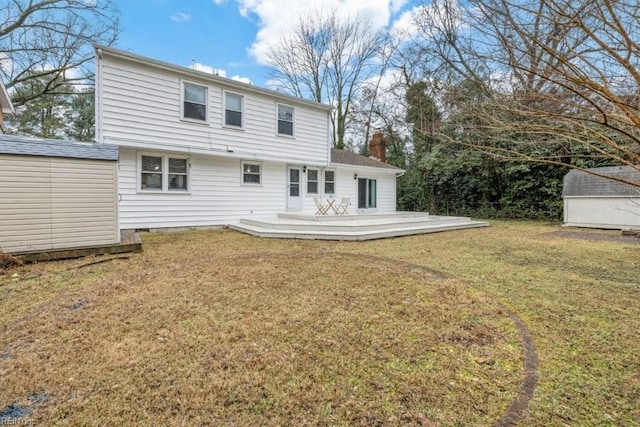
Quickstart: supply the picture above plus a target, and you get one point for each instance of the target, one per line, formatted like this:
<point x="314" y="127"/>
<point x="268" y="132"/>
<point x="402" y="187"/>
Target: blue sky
<point x="230" y="35"/>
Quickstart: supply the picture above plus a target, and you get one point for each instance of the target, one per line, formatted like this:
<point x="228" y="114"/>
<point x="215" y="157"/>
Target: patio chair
<point x="322" y="209"/>
<point x="343" y="207"/>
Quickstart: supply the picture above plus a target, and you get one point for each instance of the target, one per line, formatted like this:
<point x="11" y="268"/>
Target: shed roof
<point x="20" y="145"/>
<point x="581" y="183"/>
<point x="350" y="158"/>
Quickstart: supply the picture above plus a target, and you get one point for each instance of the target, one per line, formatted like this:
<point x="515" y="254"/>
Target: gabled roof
<point x="349" y="158"/>
<point x="580" y="183"/>
<point x="5" y="100"/>
<point x="201" y="75"/>
<point x="19" y="145"/>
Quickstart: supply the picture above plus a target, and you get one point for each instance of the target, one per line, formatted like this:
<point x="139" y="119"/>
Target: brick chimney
<point x="378" y="146"/>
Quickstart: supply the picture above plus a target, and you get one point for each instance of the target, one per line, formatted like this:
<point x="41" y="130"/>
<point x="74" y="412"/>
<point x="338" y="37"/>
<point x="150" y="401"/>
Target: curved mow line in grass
<point x="519" y="406"/>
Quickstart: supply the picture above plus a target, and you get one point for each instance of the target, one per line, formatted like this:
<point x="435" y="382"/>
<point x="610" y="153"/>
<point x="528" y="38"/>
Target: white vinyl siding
<point x="218" y="197"/>
<point x="611" y="212"/>
<point x="141" y="105"/>
<point x="56" y="203"/>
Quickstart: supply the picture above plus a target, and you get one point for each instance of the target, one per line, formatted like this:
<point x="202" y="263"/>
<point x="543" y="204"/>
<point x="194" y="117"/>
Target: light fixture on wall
<point x="355" y="176"/>
<point x="304" y="169"/>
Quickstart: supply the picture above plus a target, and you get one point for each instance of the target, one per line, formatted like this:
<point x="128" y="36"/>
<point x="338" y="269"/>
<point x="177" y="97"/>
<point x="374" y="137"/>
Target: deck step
<point x="322" y="233"/>
<point x="350" y="225"/>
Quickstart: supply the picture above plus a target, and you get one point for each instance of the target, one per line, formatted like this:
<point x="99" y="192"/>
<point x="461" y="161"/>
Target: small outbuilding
<point x="597" y="202"/>
<point x="57" y="195"/>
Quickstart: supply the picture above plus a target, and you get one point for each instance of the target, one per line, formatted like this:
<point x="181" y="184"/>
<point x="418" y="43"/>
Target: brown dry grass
<point x="225" y="329"/>
<point x="221" y="328"/>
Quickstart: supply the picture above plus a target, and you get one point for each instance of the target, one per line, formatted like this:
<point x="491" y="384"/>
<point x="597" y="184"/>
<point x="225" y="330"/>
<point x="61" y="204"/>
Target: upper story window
<point x="251" y="173"/>
<point x="194" y="102"/>
<point x="285" y="120"/>
<point x="163" y="173"/>
<point x="233" y="105"/>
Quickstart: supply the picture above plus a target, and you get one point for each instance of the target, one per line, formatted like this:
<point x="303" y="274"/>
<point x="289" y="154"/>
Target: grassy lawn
<point x="216" y="327"/>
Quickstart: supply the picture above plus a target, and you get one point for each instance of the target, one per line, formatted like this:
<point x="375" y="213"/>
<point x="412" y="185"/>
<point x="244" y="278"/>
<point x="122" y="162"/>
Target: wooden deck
<point x="352" y="227"/>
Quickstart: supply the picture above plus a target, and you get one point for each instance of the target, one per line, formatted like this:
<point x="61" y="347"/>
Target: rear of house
<point x="598" y="202"/>
<point x="197" y="149"/>
<point x="56" y="195"/>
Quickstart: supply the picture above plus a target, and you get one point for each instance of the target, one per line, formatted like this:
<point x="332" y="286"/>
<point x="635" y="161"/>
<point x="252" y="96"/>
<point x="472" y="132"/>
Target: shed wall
<point x="51" y="203"/>
<point x="602" y="212"/>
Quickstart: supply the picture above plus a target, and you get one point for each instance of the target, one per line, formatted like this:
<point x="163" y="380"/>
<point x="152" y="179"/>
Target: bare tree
<point x="327" y="59"/>
<point x="52" y="40"/>
<point x="562" y="77"/>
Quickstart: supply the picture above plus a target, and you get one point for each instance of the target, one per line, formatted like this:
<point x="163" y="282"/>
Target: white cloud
<point x="405" y="25"/>
<point x="218" y="72"/>
<point x="274" y="19"/>
<point x="242" y="79"/>
<point x="219" y="2"/>
<point x="180" y="17"/>
<point x="208" y="69"/>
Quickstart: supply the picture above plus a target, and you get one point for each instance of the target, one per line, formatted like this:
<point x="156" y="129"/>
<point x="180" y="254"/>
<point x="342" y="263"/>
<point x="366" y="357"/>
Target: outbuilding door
<point x="294" y="188"/>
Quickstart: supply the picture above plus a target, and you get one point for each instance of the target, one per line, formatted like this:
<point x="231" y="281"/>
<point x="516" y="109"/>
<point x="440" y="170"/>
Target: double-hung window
<point x="233" y="107"/>
<point x="329" y="182"/>
<point x="312" y="181"/>
<point x="178" y="174"/>
<point x="163" y="173"/>
<point x="151" y="173"/>
<point x="194" y="102"/>
<point x="251" y="173"/>
<point x="285" y="120"/>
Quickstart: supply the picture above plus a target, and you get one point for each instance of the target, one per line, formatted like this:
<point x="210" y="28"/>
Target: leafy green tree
<point x="43" y="116"/>
<point x="80" y="116"/>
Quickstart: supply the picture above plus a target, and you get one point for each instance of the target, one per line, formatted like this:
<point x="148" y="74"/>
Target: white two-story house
<point x="197" y="149"/>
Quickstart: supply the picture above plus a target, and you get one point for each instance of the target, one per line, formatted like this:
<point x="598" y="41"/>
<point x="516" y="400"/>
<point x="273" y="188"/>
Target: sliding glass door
<point x="367" y="193"/>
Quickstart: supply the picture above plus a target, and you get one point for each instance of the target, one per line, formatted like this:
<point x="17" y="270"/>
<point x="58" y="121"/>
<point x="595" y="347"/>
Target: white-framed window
<point x="285" y="120"/>
<point x="163" y="173"/>
<point x="178" y="174"/>
<point x="313" y="176"/>
<point x="251" y="173"/>
<point x="233" y="109"/>
<point x="151" y="172"/>
<point x="329" y="182"/>
<point x="194" y="102"/>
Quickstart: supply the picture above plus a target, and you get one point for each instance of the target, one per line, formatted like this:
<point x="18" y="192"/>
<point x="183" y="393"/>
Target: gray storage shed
<point x="57" y="194"/>
<point x="597" y="202"/>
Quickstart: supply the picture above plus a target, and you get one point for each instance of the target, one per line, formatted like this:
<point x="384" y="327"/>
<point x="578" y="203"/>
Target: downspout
<point x="328" y="138"/>
<point x="98" y="98"/>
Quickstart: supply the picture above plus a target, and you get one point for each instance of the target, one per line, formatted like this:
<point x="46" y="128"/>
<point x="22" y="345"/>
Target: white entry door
<point x="294" y="188"/>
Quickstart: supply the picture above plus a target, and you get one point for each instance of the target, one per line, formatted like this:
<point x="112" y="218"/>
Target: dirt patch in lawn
<point x="597" y="236"/>
<point x="221" y="328"/>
